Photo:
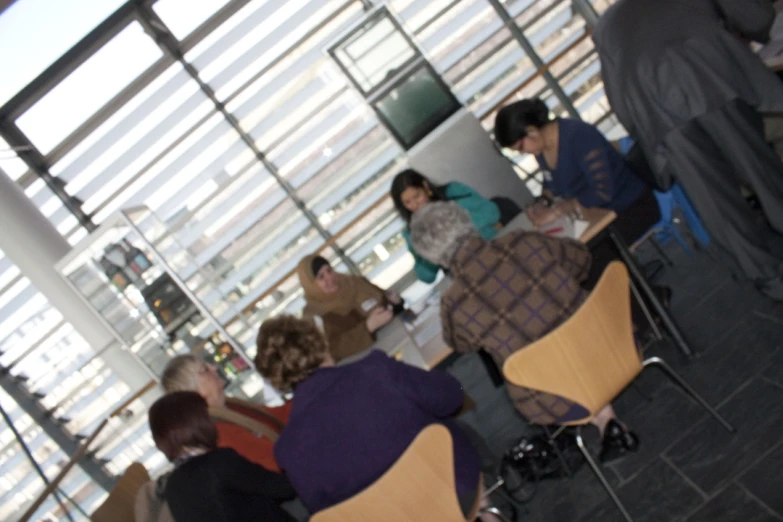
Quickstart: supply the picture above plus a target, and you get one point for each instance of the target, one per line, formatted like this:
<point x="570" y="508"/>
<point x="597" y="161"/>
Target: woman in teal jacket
<point x="411" y="191"/>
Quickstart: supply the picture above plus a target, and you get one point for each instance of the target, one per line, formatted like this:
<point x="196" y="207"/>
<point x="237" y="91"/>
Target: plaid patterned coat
<point x="506" y="293"/>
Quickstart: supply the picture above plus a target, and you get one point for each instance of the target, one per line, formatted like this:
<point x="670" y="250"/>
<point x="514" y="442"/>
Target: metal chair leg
<point x="581" y="443"/>
<point x="674" y="376"/>
<point x="495" y="511"/>
<point x="666" y="259"/>
<point x="647" y="313"/>
<point x="559" y="454"/>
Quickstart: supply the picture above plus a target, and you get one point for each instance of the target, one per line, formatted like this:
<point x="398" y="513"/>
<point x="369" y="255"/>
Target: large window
<point x="234" y="125"/>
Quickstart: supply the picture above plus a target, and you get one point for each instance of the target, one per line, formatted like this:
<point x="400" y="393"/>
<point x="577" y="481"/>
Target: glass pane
<point x="183" y="16"/>
<point x="265" y="35"/>
<point x="554" y="29"/>
<point x="89" y="87"/>
<point x="602" y="5"/>
<point x="34" y="33"/>
<point x="159" y="136"/>
<point x="416" y="107"/>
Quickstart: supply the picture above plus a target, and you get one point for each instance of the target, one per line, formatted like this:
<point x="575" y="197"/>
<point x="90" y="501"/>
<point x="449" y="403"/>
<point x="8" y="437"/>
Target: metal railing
<point x="53" y="486"/>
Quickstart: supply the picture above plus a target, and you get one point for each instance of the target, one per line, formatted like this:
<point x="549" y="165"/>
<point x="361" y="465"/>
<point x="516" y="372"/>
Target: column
<point x="35" y="245"/>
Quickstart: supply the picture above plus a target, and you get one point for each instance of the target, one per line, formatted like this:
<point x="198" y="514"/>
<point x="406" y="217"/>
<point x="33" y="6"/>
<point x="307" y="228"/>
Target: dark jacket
<point x="666" y="62"/>
<point x="349" y="425"/>
<point x="221" y="486"/>
<point x="507" y="293"/>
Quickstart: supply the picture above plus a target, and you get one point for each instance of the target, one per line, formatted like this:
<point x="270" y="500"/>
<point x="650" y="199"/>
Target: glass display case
<point x="161" y="299"/>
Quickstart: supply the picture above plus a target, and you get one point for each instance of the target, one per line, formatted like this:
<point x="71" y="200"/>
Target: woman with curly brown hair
<point x="349" y="424"/>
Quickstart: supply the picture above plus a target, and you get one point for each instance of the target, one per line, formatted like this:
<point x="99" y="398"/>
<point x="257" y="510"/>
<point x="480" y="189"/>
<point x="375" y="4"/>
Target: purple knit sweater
<point x="349" y="424"/>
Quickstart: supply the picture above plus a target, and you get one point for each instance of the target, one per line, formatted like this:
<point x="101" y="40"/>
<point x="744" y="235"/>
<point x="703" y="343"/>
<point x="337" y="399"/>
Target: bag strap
<point x="252" y="425"/>
<point x="257" y="408"/>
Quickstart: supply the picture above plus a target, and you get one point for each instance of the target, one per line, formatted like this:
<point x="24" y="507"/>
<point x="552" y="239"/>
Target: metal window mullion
<point x="37" y="163"/>
<point x="108" y="110"/>
<point x="588" y="12"/>
<point x="217" y="19"/>
<point x="68" y="62"/>
<point x="157" y="29"/>
<point x="535" y="58"/>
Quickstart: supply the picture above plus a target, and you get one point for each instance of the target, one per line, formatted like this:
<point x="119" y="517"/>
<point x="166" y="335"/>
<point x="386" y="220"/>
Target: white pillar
<point x="35" y="245"/>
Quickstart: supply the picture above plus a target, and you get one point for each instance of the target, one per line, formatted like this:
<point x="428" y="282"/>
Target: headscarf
<point x="340" y="302"/>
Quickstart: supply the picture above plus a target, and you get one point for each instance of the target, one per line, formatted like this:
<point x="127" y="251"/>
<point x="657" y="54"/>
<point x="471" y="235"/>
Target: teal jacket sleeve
<point x="485" y="213"/>
<point x="425" y="270"/>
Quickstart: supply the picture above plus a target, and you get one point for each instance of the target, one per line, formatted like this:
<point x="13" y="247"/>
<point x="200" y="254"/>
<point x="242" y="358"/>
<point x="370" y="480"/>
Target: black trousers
<point x="712" y="157"/>
<point x="631" y="224"/>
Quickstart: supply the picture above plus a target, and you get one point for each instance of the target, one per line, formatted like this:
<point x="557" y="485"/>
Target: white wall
<point x="461" y="150"/>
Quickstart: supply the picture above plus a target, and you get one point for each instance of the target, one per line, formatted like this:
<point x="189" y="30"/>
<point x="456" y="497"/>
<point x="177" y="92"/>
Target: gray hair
<point x="181" y="374"/>
<point x="437" y="228"/>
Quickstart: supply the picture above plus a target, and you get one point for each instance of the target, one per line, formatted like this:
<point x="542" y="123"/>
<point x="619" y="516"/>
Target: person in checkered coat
<point x="506" y="293"/>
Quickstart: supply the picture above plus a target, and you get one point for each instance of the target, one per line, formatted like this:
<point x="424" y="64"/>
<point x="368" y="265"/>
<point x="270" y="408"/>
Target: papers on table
<point x="565" y="227"/>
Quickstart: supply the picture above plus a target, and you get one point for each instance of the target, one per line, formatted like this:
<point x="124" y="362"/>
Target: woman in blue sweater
<point x="410" y="191"/>
<point x="581" y="168"/>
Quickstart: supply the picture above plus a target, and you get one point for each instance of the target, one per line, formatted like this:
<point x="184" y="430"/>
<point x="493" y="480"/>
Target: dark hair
<point x="410" y="178"/>
<point x="512" y="120"/>
<point x="290" y="350"/>
<point x="317" y="264"/>
<point x="179" y="420"/>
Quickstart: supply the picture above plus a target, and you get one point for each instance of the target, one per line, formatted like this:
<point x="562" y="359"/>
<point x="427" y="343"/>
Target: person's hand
<point x="393" y="297"/>
<point x="541" y="214"/>
<point x="569" y="207"/>
<point x="377" y="318"/>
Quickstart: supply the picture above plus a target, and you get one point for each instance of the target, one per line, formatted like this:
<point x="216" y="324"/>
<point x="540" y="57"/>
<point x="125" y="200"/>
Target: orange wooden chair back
<point x="591" y="357"/>
<point x="119" y="505"/>
<point x="419" y="487"/>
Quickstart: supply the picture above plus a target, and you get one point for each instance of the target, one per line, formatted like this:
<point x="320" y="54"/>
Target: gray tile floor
<point x="688" y="468"/>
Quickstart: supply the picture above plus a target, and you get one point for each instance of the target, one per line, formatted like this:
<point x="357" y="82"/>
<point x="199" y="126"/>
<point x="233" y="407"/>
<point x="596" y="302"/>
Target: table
<point x="398" y="341"/>
<point x="599" y="229"/>
<point x="598" y="219"/>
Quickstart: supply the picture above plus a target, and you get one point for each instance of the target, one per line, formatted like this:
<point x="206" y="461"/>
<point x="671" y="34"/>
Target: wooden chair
<point x="419" y="487"/>
<point x="119" y="505"/>
<point x="591" y="358"/>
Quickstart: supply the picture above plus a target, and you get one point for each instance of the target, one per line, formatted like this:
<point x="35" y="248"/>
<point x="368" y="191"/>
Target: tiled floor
<point x="688" y="467"/>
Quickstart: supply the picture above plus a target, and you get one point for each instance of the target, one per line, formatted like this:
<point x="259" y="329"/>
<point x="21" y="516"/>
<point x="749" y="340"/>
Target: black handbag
<point x="534" y="459"/>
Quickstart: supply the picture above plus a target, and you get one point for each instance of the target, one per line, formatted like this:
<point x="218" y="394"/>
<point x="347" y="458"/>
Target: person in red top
<point x="249" y="429"/>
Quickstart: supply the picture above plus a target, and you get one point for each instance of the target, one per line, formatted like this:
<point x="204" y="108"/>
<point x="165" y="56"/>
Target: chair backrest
<point x="250" y="424"/>
<point x="591" y="357"/>
<point x="119" y="505"/>
<point x="259" y="409"/>
<point x="419" y="487"/>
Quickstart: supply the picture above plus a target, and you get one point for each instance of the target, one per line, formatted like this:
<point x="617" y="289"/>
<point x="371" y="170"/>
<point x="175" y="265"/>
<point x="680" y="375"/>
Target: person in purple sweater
<point x="349" y="424"/>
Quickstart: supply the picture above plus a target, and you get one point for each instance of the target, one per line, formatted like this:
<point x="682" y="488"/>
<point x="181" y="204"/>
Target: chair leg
<point x="581" y="443"/>
<point x="559" y="454"/>
<point x="657" y="361"/>
<point x="661" y="253"/>
<point x="495" y="511"/>
<point x="647" y="313"/>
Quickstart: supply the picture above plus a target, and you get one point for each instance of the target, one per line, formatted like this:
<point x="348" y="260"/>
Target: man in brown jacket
<point x="506" y="293"/>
